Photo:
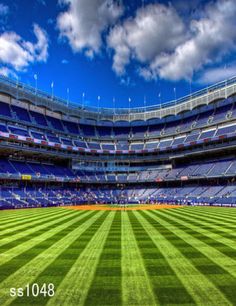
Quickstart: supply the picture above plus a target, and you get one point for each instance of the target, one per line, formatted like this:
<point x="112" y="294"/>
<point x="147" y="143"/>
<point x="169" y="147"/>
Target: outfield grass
<point x="181" y="256"/>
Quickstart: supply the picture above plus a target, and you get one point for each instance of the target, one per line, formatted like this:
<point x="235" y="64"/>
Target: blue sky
<point x="118" y="49"/>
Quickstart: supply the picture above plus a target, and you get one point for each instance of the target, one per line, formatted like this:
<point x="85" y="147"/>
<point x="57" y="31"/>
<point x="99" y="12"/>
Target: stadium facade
<point x="54" y="152"/>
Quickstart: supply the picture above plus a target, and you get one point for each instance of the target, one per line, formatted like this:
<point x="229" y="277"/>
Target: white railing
<point x="22" y="91"/>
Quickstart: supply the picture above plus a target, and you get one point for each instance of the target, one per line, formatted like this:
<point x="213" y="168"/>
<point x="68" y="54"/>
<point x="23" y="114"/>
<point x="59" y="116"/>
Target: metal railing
<point x="21" y="91"/>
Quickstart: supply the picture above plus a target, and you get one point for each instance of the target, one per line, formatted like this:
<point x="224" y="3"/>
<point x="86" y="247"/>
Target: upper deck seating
<point x="104" y="131"/>
<point x="71" y="127"/>
<point x="21" y="113"/>
<point x="154" y="130"/>
<point x="203" y="118"/>
<point x="121" y="132"/>
<point x="39" y="118"/>
<point x="220" y="113"/>
<point x="5" y="110"/>
<point x="88" y="130"/>
<point x="55" y="123"/>
<point x="139" y="131"/>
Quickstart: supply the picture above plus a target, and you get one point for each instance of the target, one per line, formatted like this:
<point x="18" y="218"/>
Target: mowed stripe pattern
<point x="181" y="256"/>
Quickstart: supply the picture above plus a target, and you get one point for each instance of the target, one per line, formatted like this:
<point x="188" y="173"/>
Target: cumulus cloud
<point x="84" y="22"/>
<point x="214" y="75"/>
<point x="212" y="37"/>
<point x="155" y="29"/>
<point x="5" y="71"/>
<point x="18" y="53"/>
<point x="162" y="44"/>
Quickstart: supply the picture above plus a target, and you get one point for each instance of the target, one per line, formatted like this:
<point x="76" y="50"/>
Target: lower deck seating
<point x="18" y="197"/>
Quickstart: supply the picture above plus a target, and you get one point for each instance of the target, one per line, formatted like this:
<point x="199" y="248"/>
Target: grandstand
<point x="58" y="153"/>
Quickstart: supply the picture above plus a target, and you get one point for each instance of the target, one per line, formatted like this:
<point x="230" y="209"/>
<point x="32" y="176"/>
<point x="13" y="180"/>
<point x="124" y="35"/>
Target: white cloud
<point x="4" y="9"/>
<point x="84" y="22"/>
<point x="154" y="30"/>
<point x="214" y="75"/>
<point x="18" y="53"/>
<point x="162" y="44"/>
<point x="212" y="37"/>
<point x="5" y="71"/>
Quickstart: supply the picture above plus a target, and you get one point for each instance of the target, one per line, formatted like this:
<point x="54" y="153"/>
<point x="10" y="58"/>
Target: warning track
<point x="123" y="207"/>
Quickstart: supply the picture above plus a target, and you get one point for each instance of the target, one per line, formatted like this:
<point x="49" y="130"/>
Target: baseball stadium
<point x="117" y="203"/>
<point x="127" y="207"/>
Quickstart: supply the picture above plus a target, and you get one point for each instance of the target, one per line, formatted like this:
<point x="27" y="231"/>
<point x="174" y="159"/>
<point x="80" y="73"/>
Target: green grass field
<point x="183" y="256"/>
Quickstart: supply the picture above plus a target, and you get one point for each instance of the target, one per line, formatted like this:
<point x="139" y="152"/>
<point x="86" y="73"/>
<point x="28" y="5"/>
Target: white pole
<point x="226" y="89"/>
<point x="160" y="102"/>
<point x="17" y="85"/>
<point x="145" y="108"/>
<point x="52" y="87"/>
<point x="36" y="83"/>
<point x="68" y="92"/>
<point x="191" y="101"/>
<point x="83" y="96"/>
<point x="99" y="98"/>
<point x="175" y="100"/>
<point x="114" y="101"/>
<point x="129" y="109"/>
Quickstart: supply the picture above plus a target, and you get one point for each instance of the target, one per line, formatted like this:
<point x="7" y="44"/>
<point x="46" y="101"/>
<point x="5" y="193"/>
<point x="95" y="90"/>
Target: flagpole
<point x="17" y="85"/>
<point x="114" y="101"/>
<point x="159" y="95"/>
<point x="175" y="99"/>
<point x="145" y="108"/>
<point x="191" y="97"/>
<point x="52" y="87"/>
<point x="225" y="87"/>
<point x="129" y="108"/>
<point x="36" y="83"/>
<point x="98" y="105"/>
<point x="83" y="96"/>
<point x="175" y="94"/>
<point x="68" y="92"/>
